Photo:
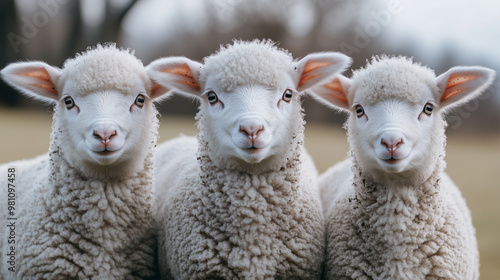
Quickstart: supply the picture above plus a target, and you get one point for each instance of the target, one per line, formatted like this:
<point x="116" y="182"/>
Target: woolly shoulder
<point x="334" y="182"/>
<point x="309" y="171"/>
<point x="175" y="149"/>
<point x="175" y="159"/>
<point x="26" y="170"/>
<point x="23" y="174"/>
<point x="455" y="197"/>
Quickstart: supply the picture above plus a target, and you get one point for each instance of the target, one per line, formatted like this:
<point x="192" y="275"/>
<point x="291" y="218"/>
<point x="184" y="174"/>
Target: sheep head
<point x="102" y="100"/>
<point x="250" y="97"/>
<point x="396" y="125"/>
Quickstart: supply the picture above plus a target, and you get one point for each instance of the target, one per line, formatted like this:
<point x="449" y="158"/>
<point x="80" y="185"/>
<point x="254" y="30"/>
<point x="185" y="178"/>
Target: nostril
<point x="259" y="129"/>
<point x="244" y="130"/>
<point x="392" y="144"/>
<point x="251" y="131"/>
<point x="400" y="142"/>
<point x="104" y="136"/>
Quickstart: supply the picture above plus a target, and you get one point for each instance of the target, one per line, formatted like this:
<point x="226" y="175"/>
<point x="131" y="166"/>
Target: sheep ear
<point x="334" y="93"/>
<point x="178" y="73"/>
<point x="461" y="84"/>
<point x="35" y="79"/>
<point x="158" y="92"/>
<point x="318" y="67"/>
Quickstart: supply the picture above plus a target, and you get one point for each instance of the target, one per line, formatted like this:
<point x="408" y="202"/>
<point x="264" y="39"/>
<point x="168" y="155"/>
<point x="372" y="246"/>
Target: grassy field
<point x="473" y="163"/>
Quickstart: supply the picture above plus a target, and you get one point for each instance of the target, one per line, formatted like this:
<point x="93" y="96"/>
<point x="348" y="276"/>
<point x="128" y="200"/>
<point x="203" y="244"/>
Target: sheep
<point x="391" y="212"/>
<point x="240" y="201"/>
<point x="85" y="209"/>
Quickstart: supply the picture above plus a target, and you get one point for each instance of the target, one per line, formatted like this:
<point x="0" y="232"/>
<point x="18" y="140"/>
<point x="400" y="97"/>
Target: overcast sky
<point x="471" y="26"/>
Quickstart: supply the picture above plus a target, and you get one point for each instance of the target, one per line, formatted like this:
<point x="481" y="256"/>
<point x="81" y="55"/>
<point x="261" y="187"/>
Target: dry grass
<point x="473" y="163"/>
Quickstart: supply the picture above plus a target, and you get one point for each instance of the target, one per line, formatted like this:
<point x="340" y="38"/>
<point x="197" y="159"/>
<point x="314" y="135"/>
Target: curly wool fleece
<point x="392" y="78"/>
<point x="103" y="67"/>
<point x="408" y="232"/>
<point x="244" y="63"/>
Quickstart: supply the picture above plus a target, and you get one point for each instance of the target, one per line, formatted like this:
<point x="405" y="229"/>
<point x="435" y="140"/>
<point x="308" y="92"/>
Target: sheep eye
<point x="428" y="109"/>
<point x="69" y="102"/>
<point x="212" y="97"/>
<point x="287" y="95"/>
<point x="359" y="111"/>
<point x="139" y="100"/>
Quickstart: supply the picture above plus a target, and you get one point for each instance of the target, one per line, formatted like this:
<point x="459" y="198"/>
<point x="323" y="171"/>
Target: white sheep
<point x="391" y="212"/>
<point x="85" y="209"/>
<point x="241" y="200"/>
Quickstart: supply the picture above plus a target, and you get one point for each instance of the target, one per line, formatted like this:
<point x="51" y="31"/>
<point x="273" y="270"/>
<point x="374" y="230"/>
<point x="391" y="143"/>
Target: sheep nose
<point x="392" y="144"/>
<point x="251" y="131"/>
<point x="104" y="135"/>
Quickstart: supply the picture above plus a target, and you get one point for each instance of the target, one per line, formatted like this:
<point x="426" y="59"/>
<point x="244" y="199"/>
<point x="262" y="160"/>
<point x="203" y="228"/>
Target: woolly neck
<point x="389" y="212"/>
<point x="370" y="191"/>
<point x="262" y="210"/>
<point x="100" y="209"/>
<point x="283" y="177"/>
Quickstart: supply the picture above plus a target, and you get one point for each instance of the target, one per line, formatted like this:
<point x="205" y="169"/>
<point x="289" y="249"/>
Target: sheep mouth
<point x="252" y="150"/>
<point x="392" y="160"/>
<point x="104" y="152"/>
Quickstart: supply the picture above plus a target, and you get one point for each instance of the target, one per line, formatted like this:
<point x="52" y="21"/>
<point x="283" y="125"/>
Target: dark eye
<point x="359" y="111"/>
<point x="139" y="100"/>
<point x="428" y="109"/>
<point x="287" y="95"/>
<point x="69" y="102"/>
<point x="212" y="97"/>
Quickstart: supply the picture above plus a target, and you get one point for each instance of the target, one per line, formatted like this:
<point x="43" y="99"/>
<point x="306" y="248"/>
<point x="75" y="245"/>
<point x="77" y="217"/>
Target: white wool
<point x="403" y="232"/>
<point x="244" y="63"/>
<point x="236" y="225"/>
<point x="78" y="219"/>
<point x="391" y="212"/>
<point x="104" y="67"/>
<point x="392" y="78"/>
<point x="240" y="201"/>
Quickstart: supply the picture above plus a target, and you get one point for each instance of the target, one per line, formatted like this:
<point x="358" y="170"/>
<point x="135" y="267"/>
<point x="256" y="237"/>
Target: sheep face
<point x="104" y="127"/>
<point x="98" y="121"/>
<point x="396" y="107"/>
<point x="251" y="123"/>
<point x="392" y="135"/>
<point x="250" y="109"/>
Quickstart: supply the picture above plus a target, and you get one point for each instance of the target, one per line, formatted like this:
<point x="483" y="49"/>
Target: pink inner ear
<point x="454" y="81"/>
<point x="309" y="68"/>
<point x="185" y="71"/>
<point x="157" y="89"/>
<point x="43" y="79"/>
<point x="336" y="90"/>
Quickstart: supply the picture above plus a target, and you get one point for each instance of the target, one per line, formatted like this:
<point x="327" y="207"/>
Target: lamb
<point x="240" y="201"/>
<point x="85" y="209"/>
<point x="391" y="212"/>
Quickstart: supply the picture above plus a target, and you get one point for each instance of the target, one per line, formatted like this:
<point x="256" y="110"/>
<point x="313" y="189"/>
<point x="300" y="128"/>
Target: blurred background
<point x="439" y="34"/>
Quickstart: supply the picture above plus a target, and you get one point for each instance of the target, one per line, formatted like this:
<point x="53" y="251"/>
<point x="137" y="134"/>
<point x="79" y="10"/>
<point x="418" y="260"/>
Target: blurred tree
<point x="74" y="37"/>
<point x="8" y="24"/>
<point x="112" y="23"/>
